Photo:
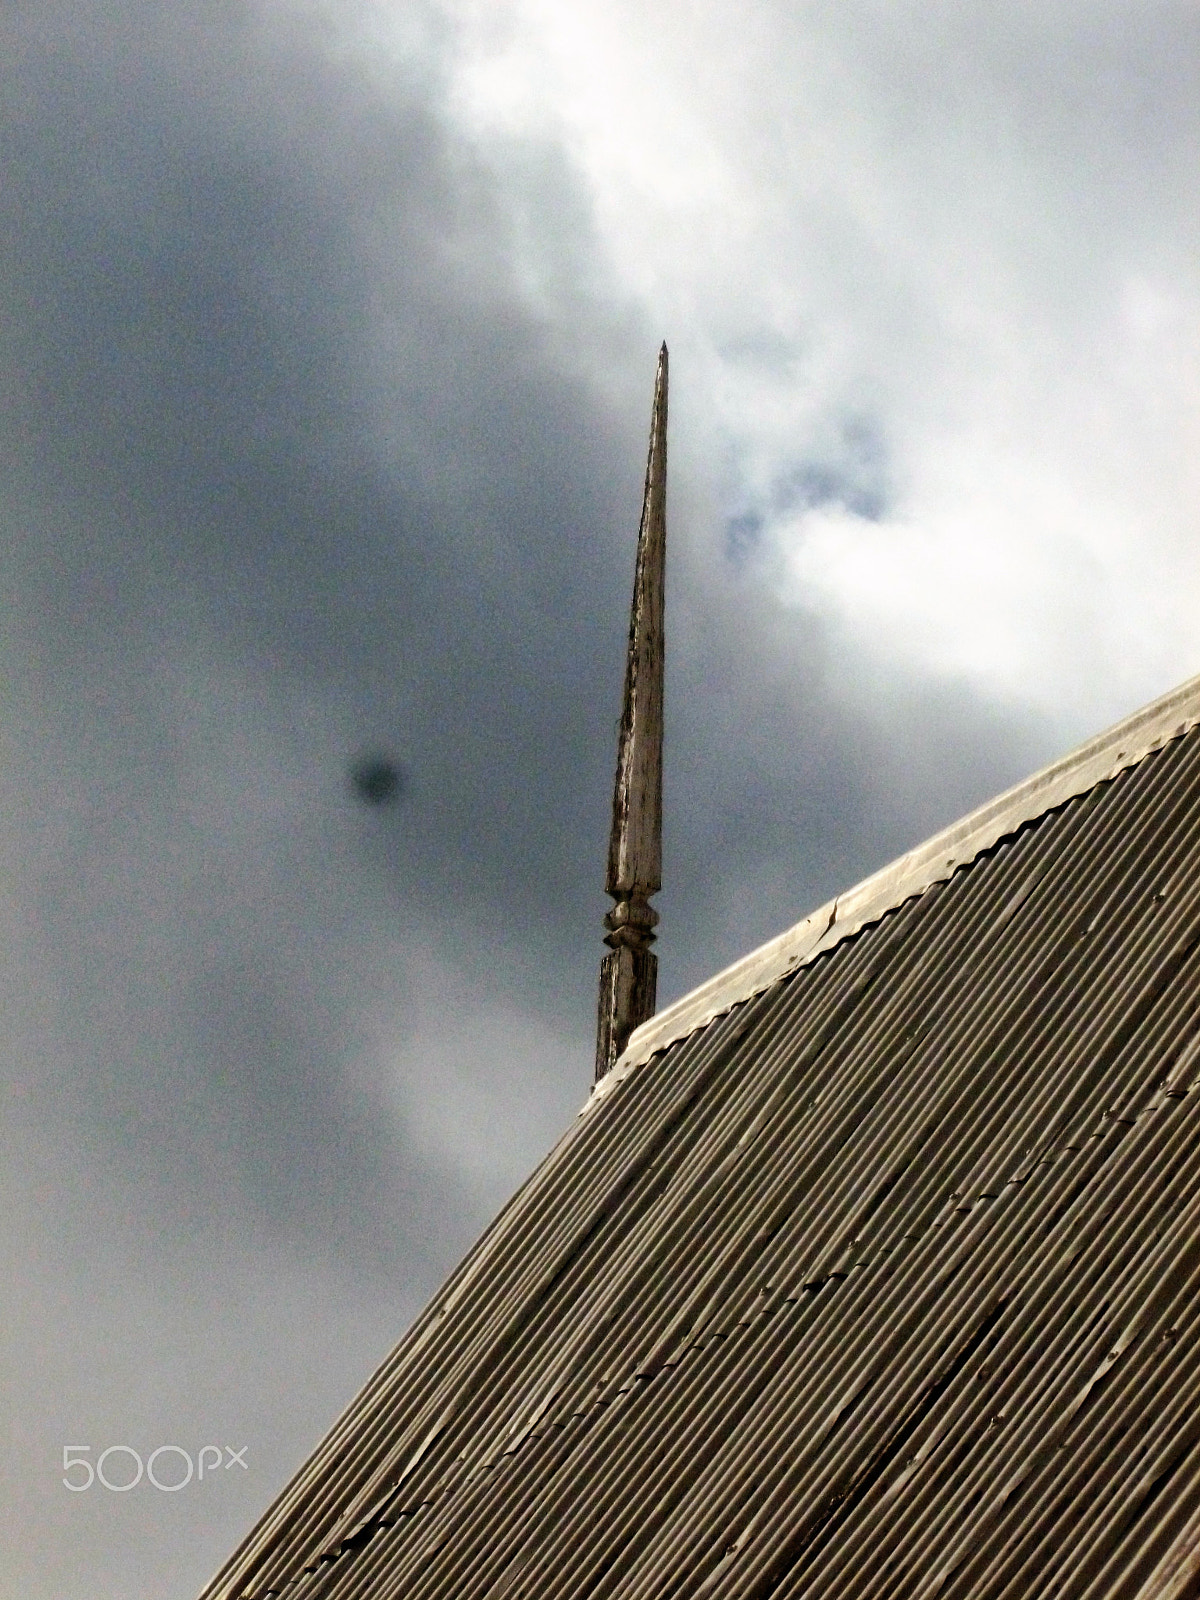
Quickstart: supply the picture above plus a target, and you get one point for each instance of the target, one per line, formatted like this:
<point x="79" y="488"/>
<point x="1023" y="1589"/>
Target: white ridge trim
<point x="1095" y="761"/>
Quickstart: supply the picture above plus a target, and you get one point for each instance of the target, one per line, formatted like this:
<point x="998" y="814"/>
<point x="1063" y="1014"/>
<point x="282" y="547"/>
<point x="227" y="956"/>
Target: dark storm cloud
<point x="274" y="386"/>
<point x="197" y="338"/>
<point x="196" y="310"/>
<point x="297" y="467"/>
<point x="235" y="555"/>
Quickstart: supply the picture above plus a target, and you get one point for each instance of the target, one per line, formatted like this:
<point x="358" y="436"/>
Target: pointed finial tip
<point x="629" y="972"/>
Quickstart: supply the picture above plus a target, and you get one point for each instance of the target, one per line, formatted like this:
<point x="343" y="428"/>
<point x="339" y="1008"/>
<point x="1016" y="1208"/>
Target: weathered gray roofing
<point x="882" y="1280"/>
<point x="1103" y="757"/>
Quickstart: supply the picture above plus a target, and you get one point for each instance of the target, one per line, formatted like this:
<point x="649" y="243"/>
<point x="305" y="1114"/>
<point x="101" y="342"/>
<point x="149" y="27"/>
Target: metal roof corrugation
<point x="1095" y="761"/>
<point x="888" y="1278"/>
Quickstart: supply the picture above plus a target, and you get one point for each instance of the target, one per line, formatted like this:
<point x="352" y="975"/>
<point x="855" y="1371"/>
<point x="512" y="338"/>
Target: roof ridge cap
<point x="1095" y="761"/>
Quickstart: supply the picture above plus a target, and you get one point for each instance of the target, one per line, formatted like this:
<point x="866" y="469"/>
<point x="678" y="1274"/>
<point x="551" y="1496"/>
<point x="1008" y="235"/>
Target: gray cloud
<point x="298" y="465"/>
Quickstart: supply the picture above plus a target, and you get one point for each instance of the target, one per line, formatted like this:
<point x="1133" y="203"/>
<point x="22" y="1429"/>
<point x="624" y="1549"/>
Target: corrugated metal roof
<point x="1098" y="759"/>
<point x="884" y="1280"/>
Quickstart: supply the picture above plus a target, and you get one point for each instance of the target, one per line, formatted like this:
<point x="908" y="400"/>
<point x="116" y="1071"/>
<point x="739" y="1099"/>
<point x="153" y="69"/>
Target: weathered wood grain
<point x="628" y="975"/>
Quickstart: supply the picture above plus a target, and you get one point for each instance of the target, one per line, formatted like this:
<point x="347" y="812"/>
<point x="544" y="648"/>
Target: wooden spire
<point x="629" y="973"/>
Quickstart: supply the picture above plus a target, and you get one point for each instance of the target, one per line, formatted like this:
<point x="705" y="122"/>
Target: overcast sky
<point x="327" y="338"/>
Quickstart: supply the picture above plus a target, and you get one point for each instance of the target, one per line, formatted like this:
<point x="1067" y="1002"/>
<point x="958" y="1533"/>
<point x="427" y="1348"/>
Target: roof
<point x="872" y="1267"/>
<point x="1095" y="761"/>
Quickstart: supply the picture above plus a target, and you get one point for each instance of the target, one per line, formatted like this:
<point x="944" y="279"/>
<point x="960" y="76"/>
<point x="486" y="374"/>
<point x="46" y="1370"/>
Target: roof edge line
<point x="1096" y="760"/>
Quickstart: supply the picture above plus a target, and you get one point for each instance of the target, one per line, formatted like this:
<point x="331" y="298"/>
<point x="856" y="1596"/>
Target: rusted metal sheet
<point x="884" y="1281"/>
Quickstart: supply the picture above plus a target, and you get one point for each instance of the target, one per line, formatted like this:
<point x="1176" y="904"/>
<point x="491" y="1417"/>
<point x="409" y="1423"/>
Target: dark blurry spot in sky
<point x="377" y="780"/>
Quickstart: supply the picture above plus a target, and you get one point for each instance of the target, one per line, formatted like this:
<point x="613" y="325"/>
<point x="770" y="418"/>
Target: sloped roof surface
<point x="884" y="1281"/>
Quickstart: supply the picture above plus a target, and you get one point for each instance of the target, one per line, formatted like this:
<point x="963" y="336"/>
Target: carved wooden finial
<point x="628" y="974"/>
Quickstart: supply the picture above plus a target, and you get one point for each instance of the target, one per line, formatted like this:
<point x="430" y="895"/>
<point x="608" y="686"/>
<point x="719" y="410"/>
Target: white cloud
<point x="483" y="1086"/>
<point x="972" y="230"/>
